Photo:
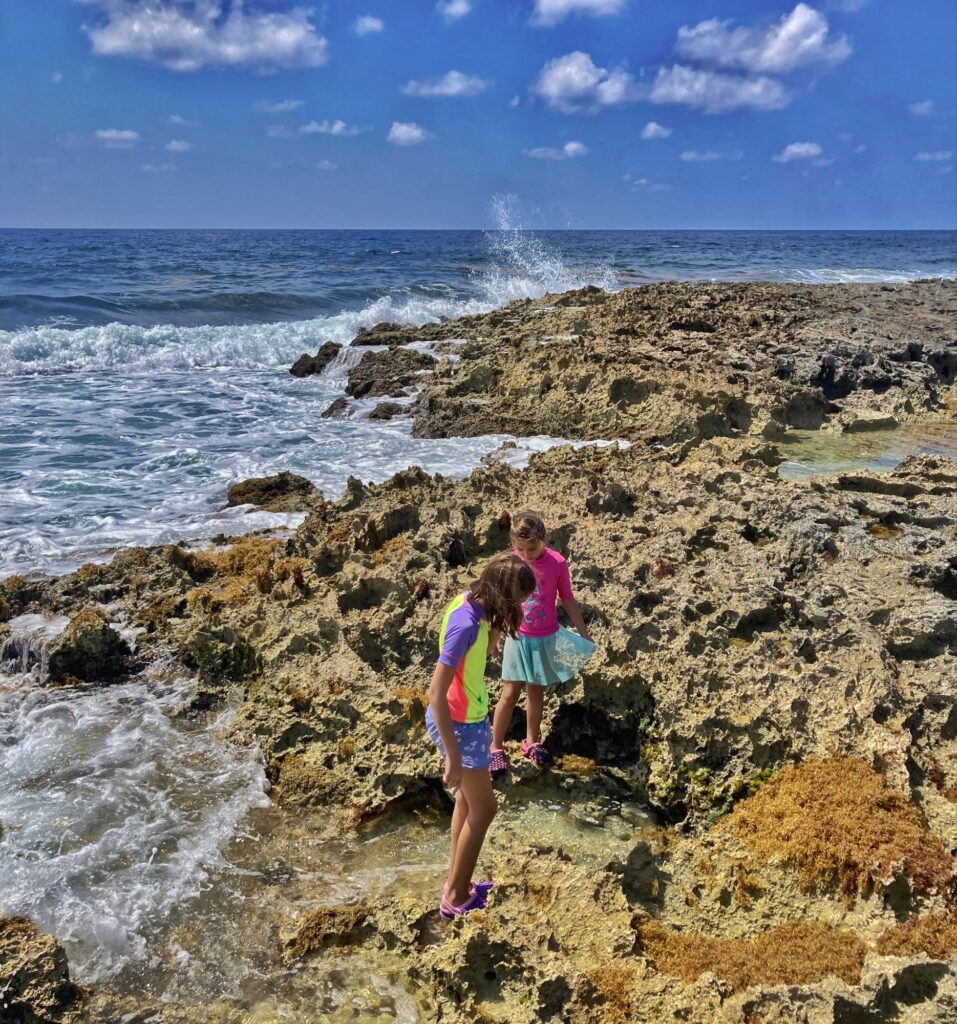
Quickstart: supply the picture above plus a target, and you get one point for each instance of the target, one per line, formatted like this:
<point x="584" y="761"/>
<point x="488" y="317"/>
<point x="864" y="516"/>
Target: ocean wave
<point x="136" y="807"/>
<point x="865" y="275"/>
<point x="528" y="269"/>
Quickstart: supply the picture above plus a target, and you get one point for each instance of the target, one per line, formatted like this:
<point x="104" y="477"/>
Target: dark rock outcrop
<point x="284" y="492"/>
<point x="307" y="365"/>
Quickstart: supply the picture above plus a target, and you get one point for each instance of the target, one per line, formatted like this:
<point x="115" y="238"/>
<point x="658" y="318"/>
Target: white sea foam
<point x="528" y="269"/>
<point x="861" y="275"/>
<point x="134" y="809"/>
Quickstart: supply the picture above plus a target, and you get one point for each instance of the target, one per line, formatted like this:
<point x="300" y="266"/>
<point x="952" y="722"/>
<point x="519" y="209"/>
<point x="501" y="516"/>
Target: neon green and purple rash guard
<point x="463" y="645"/>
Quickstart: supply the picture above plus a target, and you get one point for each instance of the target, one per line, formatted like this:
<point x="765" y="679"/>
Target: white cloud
<point x="551" y="12"/>
<point x="568" y="152"/>
<point x="715" y="92"/>
<point x="922" y="109"/>
<point x="185" y="35"/>
<point x="57" y="77"/>
<point x="515" y="101"/>
<point x="452" y="10"/>
<point x="801" y="37"/>
<point x="644" y="184"/>
<point x="860" y="148"/>
<point x="797" y="151"/>
<point x="366" y="25"/>
<point x="326" y="165"/>
<point x="696" y="156"/>
<point x="407" y="133"/>
<point x="183" y="122"/>
<point x="653" y="130"/>
<point x="574" y="82"/>
<point x="157" y="168"/>
<point x="336" y="127"/>
<point x="117" y="138"/>
<point x="924" y="157"/>
<point x="278" y="131"/>
<point x="452" y="83"/>
<point x="178" y="146"/>
<point x="278" y="106"/>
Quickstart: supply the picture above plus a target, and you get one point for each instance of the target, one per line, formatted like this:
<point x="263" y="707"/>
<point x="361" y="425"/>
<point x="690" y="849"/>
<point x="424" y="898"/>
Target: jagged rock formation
<point x="35" y="986"/>
<point x="747" y="624"/>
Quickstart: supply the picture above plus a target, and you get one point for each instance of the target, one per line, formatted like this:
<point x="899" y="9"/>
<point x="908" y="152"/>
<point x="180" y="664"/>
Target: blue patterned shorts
<point x="474" y="740"/>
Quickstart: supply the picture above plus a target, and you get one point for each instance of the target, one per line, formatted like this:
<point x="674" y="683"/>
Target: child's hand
<point x="453" y="772"/>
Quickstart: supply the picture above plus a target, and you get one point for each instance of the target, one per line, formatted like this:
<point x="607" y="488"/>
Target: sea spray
<point x="115" y="810"/>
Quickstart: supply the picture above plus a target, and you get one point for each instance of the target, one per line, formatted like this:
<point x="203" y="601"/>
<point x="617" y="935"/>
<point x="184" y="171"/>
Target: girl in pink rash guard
<point x="543" y="653"/>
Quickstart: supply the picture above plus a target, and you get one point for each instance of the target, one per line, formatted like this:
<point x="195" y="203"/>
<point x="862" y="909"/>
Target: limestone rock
<point x="35" y="986"/>
<point x="88" y="650"/>
<point x="284" y="492"/>
<point x="385" y="373"/>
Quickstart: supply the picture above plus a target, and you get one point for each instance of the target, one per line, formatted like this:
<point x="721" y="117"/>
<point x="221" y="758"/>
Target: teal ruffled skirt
<point x="545" y="660"/>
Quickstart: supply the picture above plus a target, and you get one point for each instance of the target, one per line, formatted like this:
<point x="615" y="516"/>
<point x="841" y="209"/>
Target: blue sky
<point x="381" y="113"/>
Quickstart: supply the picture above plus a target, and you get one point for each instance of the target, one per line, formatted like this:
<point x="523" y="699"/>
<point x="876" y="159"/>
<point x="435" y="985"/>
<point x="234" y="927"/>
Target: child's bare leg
<point x="502" y="718"/>
<point x="459" y="816"/>
<point x="477" y="789"/>
<point x="534" y="704"/>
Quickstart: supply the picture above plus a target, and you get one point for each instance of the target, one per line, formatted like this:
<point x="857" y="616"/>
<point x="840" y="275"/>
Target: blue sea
<point x="143" y="371"/>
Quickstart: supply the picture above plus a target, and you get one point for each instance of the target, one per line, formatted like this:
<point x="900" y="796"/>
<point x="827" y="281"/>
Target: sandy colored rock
<point x="35" y="986"/>
<point x="677" y="361"/>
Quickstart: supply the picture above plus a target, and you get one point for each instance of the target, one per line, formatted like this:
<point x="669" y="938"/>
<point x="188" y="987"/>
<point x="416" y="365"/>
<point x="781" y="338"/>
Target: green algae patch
<point x="797" y="953"/>
<point x="838" y="822"/>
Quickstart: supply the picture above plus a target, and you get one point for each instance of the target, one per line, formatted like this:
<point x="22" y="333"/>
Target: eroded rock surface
<point x="35" y="985"/>
<point x="747" y="624"/>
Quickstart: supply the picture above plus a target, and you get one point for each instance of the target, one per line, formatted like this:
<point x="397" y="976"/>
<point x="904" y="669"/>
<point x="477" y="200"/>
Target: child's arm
<point x="439" y="701"/>
<point x="568" y="602"/>
<point x="575" y="614"/>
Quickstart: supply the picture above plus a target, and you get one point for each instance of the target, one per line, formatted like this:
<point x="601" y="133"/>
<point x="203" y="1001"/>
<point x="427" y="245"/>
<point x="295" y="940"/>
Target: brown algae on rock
<point x="838" y="822"/>
<point x="790" y="954"/>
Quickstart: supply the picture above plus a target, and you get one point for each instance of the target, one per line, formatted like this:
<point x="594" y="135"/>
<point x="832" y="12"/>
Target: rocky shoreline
<point x="776" y="675"/>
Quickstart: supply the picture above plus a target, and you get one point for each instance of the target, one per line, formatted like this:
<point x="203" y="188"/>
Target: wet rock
<point x="307" y="365"/>
<point x="325" y="927"/>
<point x="386" y="333"/>
<point x="860" y="422"/>
<point x="388" y="411"/>
<point x="35" y="985"/>
<point x="88" y="650"/>
<point x="336" y="410"/>
<point x="745" y="623"/>
<point x="284" y="492"/>
<point x="390" y="372"/>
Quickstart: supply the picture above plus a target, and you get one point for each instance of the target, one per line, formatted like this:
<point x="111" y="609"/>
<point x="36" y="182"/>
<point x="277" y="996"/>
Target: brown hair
<point x="502" y="587"/>
<point x="528" y="525"/>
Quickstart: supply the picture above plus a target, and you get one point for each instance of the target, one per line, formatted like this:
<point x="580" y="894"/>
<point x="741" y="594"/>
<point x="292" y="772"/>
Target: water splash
<point x="115" y="811"/>
<point x="25" y="649"/>
<point x="530" y="267"/>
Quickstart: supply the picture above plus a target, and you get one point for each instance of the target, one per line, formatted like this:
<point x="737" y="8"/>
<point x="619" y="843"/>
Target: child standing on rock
<point x="457" y="716"/>
<point x="543" y="653"/>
